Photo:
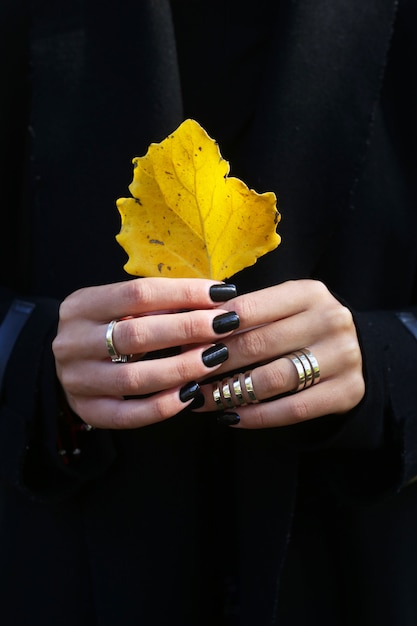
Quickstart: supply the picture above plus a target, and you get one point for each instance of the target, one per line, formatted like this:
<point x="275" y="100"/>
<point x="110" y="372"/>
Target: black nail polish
<point x="228" y="419"/>
<point x="198" y="401"/>
<point x="189" y="391"/>
<point x="222" y="293"/>
<point x="225" y="322"/>
<point x="215" y="355"/>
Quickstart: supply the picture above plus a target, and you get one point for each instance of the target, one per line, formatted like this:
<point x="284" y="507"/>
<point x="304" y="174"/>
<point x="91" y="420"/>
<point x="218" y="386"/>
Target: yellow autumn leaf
<point x="187" y="218"/>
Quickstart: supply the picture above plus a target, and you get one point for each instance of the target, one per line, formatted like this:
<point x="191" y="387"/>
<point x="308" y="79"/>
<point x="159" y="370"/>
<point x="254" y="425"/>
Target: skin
<point x="161" y="313"/>
<point x="285" y="318"/>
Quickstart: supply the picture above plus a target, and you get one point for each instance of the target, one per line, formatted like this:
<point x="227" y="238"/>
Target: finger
<point x="333" y="396"/>
<point x="332" y="325"/>
<point x="155" y="332"/>
<point x="288" y="373"/>
<point x="143" y="295"/>
<point x="278" y="302"/>
<point x="116" y="413"/>
<point x="128" y="379"/>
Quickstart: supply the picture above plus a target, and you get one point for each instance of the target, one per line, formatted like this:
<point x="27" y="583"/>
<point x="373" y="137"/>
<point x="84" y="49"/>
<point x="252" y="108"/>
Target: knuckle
<point x="185" y="370"/>
<point x="69" y="308"/>
<point x="162" y="407"/>
<point x="125" y="381"/>
<point x="246" y="307"/>
<point x="188" y="292"/>
<point x="59" y="347"/>
<point x="250" y="345"/>
<point x="138" y="292"/>
<point x="133" y="333"/>
<point x="258" y="417"/>
<point x="190" y="326"/>
<point x="319" y="288"/>
<point x="338" y="319"/>
<point x="69" y="381"/>
<point x="299" y="408"/>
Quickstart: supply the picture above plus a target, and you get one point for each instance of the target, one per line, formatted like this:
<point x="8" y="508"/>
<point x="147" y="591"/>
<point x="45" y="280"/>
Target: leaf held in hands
<point x="187" y="218"/>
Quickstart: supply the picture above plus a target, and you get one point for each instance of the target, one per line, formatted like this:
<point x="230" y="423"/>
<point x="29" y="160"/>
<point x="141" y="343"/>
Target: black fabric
<point x="185" y="522"/>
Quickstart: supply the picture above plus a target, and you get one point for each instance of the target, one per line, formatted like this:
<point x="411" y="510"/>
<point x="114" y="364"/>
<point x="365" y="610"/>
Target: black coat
<point x="183" y="522"/>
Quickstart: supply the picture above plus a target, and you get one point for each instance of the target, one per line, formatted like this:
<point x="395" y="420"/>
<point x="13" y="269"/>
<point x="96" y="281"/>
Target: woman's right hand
<point x="153" y="314"/>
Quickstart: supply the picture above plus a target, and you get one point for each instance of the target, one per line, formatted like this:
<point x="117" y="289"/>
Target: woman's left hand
<point x="275" y="325"/>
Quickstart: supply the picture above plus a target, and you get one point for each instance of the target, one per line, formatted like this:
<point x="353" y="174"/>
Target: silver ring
<point x="314" y="364"/>
<point x="307" y="367"/>
<point x="234" y="391"/>
<point x="300" y="371"/>
<point x="114" y="355"/>
<point x="237" y="391"/>
<point x="216" y="395"/>
<point x="226" y="394"/>
<point x="249" y="387"/>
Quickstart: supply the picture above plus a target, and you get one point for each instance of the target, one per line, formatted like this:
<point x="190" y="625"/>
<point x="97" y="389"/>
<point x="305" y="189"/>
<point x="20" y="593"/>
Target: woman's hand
<point x="153" y="314"/>
<point x="274" y="324"/>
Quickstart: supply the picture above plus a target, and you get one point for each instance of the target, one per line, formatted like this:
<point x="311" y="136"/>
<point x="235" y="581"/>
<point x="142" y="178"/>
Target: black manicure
<point x="189" y="391"/>
<point x="228" y="419"/>
<point x="222" y="293"/>
<point x="215" y="355"/>
<point x="225" y="322"/>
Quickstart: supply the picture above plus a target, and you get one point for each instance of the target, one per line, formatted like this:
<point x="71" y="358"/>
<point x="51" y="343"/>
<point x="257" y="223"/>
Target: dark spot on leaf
<point x="200" y="148"/>
<point x="160" y="266"/>
<point x="160" y="243"/>
<point x="169" y="268"/>
<point x="137" y="200"/>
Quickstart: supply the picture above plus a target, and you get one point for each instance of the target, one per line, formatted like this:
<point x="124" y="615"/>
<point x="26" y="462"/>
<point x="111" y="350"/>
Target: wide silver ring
<point x="307" y="367"/>
<point x="114" y="355"/>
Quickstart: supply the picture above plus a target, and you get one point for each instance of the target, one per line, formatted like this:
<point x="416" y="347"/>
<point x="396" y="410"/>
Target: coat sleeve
<point x="34" y="421"/>
<point x="371" y="451"/>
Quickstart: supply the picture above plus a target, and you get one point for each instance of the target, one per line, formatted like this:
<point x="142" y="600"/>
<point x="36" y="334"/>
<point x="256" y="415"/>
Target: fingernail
<point x="215" y="355"/>
<point x="225" y="322"/>
<point x="189" y="391"/>
<point x="198" y="401"/>
<point x="228" y="419"/>
<point x="222" y="293"/>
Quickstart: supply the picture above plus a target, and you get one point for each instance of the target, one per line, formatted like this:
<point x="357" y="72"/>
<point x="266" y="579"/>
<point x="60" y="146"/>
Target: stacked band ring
<point x="307" y="368"/>
<point x="234" y="391"/>
<point x="238" y="389"/>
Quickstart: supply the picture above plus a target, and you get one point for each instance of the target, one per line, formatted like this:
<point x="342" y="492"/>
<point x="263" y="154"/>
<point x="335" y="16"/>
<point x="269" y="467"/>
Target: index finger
<point x="145" y="295"/>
